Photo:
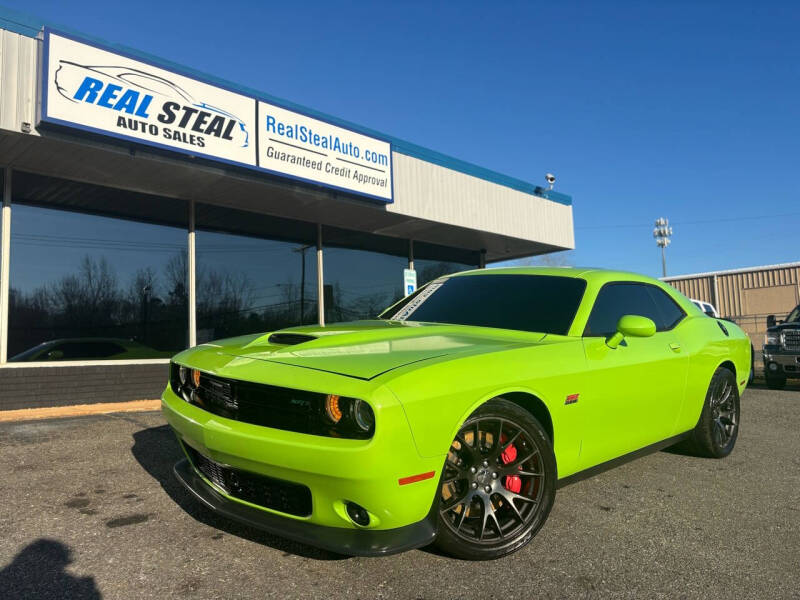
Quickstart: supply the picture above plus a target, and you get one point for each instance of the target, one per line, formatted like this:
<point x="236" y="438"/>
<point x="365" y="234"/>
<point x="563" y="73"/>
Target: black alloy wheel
<point x="717" y="429"/>
<point x="498" y="483"/>
<point x="724" y="412"/>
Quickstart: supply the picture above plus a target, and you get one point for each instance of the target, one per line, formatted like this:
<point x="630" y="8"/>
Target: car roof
<point x="590" y="274"/>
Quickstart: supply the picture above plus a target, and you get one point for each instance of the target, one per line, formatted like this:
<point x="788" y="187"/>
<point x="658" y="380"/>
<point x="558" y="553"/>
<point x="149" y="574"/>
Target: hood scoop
<point x="290" y="339"/>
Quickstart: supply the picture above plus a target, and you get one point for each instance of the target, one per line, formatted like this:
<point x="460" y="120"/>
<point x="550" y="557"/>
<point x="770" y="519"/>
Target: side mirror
<point x="771" y="322"/>
<point x="631" y="326"/>
<point x="55" y="355"/>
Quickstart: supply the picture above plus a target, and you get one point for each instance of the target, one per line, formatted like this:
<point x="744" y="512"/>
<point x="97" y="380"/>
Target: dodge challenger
<point x="453" y="416"/>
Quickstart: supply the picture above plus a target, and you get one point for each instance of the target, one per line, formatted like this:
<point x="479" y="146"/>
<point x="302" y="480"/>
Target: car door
<point x="635" y="390"/>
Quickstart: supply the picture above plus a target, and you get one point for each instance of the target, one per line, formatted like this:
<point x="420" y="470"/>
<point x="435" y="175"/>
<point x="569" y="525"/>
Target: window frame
<point x="628" y="282"/>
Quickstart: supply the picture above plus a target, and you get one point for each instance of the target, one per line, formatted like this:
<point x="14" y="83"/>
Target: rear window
<point x="542" y="303"/>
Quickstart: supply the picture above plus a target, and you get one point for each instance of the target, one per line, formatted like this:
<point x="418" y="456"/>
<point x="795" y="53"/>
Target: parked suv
<point x="782" y="349"/>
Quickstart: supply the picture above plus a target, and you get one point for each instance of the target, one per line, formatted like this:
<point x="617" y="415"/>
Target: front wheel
<point x="775" y="383"/>
<point x="498" y="483"/>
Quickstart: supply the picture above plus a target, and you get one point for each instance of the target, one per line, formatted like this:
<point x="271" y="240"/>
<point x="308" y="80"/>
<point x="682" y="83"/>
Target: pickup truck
<point x="782" y="349"/>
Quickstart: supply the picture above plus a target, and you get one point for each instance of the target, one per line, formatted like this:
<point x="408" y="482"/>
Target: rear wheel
<point x="716" y="432"/>
<point x="498" y="483"/>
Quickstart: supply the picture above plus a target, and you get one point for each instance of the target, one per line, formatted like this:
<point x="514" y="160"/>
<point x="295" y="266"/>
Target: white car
<point x="707" y="308"/>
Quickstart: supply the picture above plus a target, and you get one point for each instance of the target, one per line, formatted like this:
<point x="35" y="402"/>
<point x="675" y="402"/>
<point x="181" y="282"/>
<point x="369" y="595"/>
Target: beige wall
<point x="746" y="296"/>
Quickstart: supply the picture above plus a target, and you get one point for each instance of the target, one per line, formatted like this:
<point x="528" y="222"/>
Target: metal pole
<point x="411" y="254"/>
<point x="303" y="285"/>
<point x="663" y="262"/>
<point x="5" y="262"/>
<point x="482" y="259"/>
<point x="320" y="280"/>
<point x="715" y="292"/>
<point x="191" y="266"/>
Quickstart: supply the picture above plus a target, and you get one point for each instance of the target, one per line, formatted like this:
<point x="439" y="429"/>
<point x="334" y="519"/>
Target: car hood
<point x="366" y="349"/>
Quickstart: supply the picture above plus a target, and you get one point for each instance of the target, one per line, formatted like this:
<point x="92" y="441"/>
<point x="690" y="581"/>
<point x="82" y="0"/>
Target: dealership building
<point x="148" y="207"/>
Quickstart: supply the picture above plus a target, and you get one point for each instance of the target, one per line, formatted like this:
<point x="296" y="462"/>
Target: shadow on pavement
<point x="38" y="571"/>
<point x="157" y="450"/>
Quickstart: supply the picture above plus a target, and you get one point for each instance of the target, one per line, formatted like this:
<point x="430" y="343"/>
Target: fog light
<point x="358" y="514"/>
<point x="773" y="367"/>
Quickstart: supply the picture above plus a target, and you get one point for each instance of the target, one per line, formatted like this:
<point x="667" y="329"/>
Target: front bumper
<point x="353" y="542"/>
<point x="787" y="364"/>
<point x="367" y="472"/>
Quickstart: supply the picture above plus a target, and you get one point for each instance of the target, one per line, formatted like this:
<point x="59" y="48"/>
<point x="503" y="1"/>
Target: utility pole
<point x="662" y="233"/>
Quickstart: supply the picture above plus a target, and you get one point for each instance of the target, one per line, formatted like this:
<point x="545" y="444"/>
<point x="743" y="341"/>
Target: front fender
<point x="439" y="396"/>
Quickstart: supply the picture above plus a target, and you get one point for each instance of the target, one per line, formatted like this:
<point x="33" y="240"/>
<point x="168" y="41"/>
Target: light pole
<point x="662" y="233"/>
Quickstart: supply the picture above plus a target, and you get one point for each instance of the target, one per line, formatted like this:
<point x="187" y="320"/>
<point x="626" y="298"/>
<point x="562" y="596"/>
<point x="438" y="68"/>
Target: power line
<point x="696" y="222"/>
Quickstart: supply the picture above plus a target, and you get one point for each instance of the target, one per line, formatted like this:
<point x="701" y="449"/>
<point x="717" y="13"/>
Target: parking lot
<point x="89" y="508"/>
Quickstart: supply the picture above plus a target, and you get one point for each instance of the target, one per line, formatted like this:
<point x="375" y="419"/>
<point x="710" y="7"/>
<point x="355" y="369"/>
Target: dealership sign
<point x="308" y="148"/>
<point x="102" y="91"/>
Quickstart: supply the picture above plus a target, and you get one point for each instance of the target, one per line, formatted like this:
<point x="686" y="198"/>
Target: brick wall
<point x="34" y="387"/>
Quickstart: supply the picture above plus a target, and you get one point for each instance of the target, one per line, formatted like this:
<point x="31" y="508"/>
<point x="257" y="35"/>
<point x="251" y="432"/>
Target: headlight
<point x="332" y="408"/>
<point x="773" y="338"/>
<point x="350" y="417"/>
<point x="363" y="415"/>
<point x="184" y="381"/>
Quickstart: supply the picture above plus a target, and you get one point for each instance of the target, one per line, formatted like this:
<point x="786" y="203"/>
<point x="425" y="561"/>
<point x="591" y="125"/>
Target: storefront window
<point x="250" y="285"/>
<point x="360" y="284"/>
<point x="85" y="287"/>
<point x="428" y="270"/>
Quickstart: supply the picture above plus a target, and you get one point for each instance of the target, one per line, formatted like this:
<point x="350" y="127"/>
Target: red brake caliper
<point x="511" y="482"/>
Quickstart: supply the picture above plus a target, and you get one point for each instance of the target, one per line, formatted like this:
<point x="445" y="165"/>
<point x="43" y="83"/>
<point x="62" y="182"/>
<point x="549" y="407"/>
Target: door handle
<point x="675" y="347"/>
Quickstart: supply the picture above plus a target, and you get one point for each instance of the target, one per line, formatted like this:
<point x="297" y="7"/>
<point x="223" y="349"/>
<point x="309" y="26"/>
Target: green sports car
<point x="454" y="416"/>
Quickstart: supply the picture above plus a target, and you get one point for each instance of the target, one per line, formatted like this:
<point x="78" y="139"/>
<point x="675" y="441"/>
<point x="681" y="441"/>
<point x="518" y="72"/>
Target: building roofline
<point x="32" y="26"/>
<point x="732" y="271"/>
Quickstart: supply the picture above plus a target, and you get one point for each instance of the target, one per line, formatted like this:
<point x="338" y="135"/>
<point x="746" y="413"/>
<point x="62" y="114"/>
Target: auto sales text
<point x="187" y="124"/>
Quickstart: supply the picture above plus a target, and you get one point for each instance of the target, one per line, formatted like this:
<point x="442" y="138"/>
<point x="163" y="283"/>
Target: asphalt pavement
<point x="89" y="508"/>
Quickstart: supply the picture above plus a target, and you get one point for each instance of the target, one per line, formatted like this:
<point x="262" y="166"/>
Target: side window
<point x="616" y="300"/>
<point x="671" y="313"/>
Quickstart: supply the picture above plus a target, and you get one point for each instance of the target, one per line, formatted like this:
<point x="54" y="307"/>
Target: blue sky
<point x="687" y="110"/>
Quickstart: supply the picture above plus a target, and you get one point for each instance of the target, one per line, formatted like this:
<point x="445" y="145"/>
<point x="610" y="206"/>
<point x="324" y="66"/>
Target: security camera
<point x="551" y="179"/>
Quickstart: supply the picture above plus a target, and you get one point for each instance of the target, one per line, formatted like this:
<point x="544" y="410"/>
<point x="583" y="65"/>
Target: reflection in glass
<point x="360" y="284"/>
<point x="250" y="285"/>
<point x="428" y="270"/>
<point x="85" y="287"/>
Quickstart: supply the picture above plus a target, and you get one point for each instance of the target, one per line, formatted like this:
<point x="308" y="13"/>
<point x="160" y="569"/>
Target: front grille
<point x="264" y="405"/>
<point x="283" y="496"/>
<point x="791" y="339"/>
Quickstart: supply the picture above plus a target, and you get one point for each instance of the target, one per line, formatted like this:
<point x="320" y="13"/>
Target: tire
<point x="498" y="483"/>
<point x="775" y="383"/>
<point x="716" y="431"/>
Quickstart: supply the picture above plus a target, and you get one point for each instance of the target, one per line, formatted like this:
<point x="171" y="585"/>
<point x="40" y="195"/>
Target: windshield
<point x="794" y="316"/>
<point x="540" y="303"/>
